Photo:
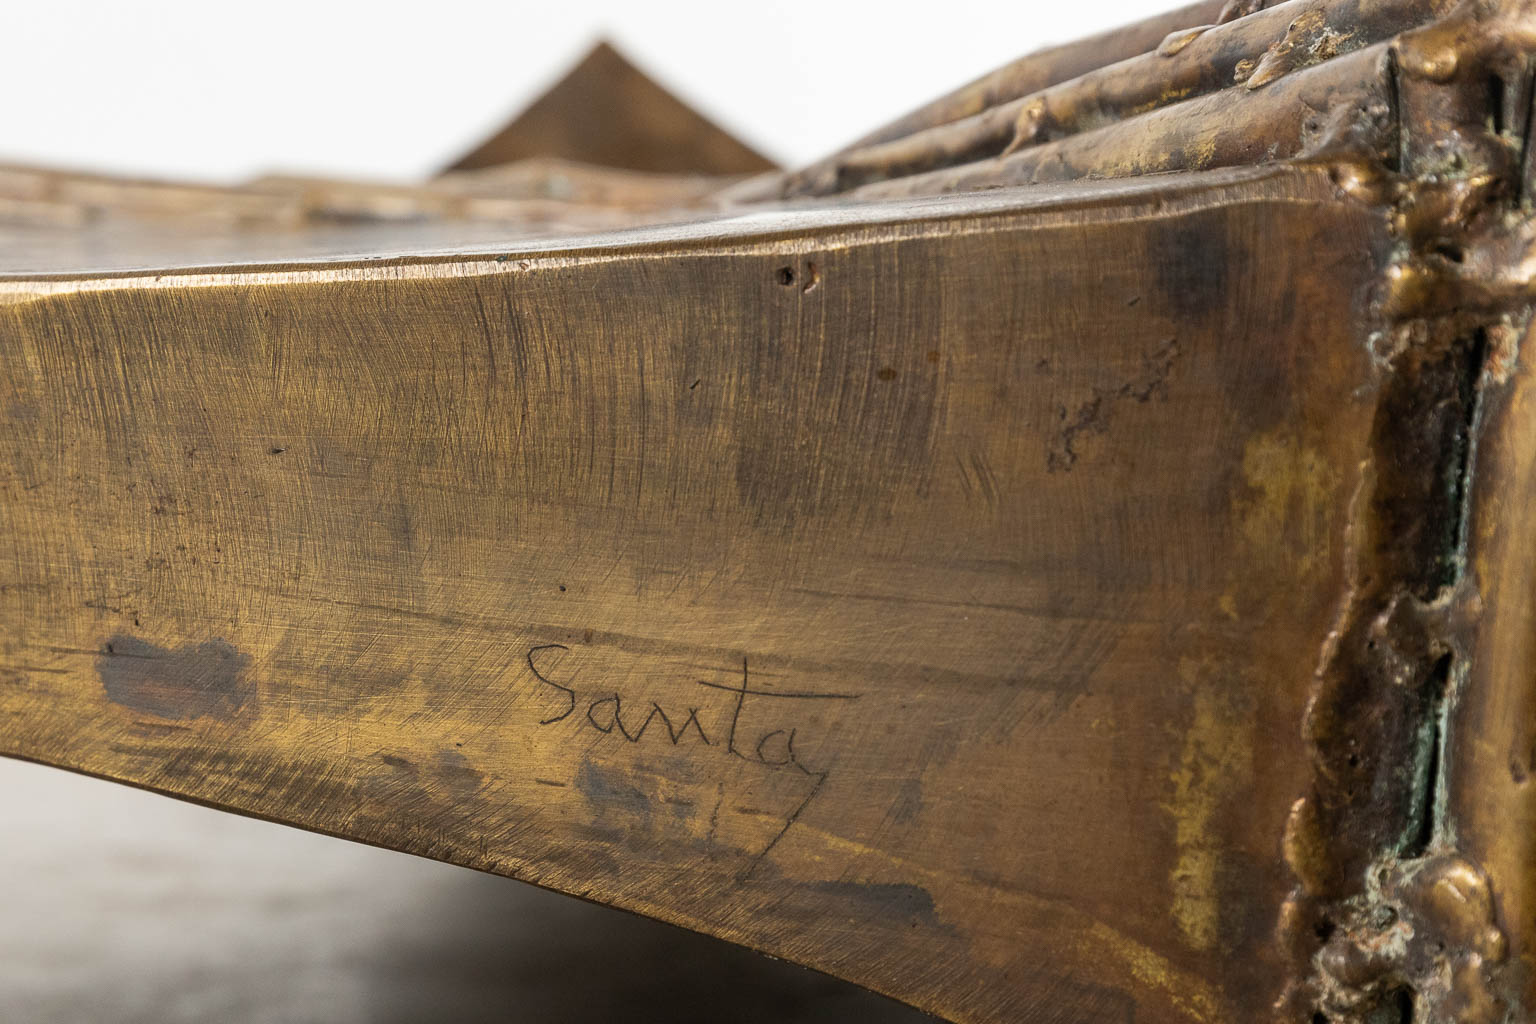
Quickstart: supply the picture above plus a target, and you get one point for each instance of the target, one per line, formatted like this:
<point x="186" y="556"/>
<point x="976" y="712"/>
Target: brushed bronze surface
<point x="1062" y="558"/>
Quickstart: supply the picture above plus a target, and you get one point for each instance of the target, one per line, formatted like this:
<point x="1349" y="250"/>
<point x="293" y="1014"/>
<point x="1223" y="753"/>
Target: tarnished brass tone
<point x="1065" y="557"/>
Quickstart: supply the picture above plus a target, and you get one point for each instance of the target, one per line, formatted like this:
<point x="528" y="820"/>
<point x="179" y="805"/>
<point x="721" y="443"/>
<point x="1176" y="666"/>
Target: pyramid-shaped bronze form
<point x="607" y="111"/>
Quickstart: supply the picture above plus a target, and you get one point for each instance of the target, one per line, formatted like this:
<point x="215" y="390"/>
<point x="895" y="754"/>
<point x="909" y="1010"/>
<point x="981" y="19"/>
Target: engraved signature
<point x="771" y="749"/>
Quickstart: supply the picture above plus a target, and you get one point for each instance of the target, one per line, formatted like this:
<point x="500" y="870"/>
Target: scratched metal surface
<point x="793" y="588"/>
<point x="1079" y="602"/>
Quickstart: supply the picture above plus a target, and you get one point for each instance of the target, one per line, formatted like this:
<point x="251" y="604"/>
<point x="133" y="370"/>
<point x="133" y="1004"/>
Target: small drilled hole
<point x="786" y="276"/>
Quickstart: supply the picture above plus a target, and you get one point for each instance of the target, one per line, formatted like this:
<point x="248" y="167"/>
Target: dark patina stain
<point x="1194" y="261"/>
<point x="884" y="900"/>
<point x="185" y="683"/>
<point x="609" y="790"/>
<point x="457" y="775"/>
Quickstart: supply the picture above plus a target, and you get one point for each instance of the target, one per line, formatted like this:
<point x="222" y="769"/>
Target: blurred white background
<point x="122" y="906"/>
<point x="389" y="90"/>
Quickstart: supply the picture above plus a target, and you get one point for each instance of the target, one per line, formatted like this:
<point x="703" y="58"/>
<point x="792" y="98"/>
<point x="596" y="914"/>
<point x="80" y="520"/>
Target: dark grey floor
<point x="120" y="906"/>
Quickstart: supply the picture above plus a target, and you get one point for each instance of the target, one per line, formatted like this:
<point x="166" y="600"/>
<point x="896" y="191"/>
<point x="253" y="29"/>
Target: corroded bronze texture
<point x="975" y="565"/>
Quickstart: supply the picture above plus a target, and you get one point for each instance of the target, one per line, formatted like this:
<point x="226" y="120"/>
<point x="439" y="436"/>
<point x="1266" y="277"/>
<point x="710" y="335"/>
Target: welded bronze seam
<point x="1393" y="907"/>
